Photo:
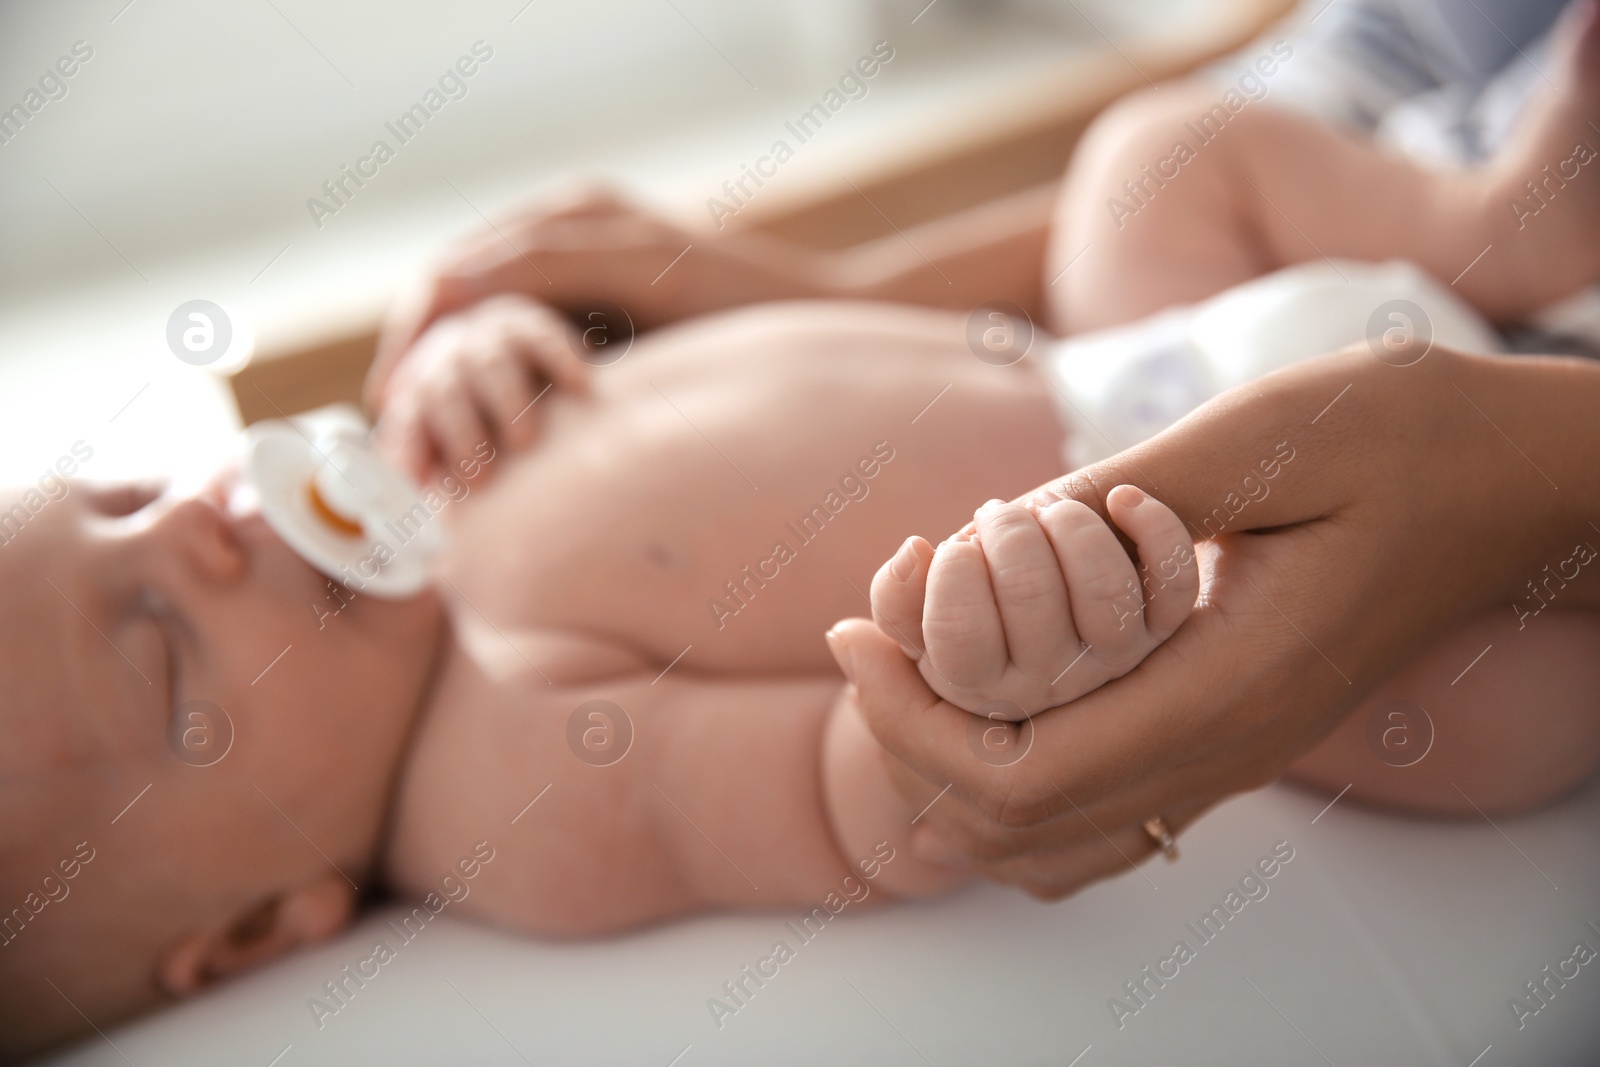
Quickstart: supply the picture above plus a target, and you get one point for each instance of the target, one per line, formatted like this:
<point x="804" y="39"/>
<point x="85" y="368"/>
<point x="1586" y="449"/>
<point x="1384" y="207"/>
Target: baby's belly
<point x="733" y="484"/>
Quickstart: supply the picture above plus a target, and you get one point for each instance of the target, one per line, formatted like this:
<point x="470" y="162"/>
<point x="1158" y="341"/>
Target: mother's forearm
<point x="994" y="251"/>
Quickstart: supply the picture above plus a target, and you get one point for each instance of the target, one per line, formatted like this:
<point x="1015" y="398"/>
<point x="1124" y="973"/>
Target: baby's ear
<point x="304" y="915"/>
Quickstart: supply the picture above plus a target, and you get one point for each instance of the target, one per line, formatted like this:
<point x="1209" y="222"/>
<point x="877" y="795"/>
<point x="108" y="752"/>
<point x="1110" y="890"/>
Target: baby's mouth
<point x="239" y="502"/>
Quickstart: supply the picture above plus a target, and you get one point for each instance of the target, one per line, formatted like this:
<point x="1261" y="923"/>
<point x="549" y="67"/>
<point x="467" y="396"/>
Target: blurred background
<point x="179" y="162"/>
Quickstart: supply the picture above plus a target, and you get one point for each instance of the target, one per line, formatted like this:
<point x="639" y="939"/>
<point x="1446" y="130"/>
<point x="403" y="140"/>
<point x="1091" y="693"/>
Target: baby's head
<point x="197" y="747"/>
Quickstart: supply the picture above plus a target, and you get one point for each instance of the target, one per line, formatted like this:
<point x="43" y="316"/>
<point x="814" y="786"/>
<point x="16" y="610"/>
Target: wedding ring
<point x="1162" y="837"/>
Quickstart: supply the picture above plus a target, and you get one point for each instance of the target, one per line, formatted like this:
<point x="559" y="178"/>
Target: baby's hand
<point x="1033" y="606"/>
<point x="477" y="376"/>
<point x="589" y="244"/>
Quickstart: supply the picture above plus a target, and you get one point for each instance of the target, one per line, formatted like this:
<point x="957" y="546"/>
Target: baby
<point x="615" y="704"/>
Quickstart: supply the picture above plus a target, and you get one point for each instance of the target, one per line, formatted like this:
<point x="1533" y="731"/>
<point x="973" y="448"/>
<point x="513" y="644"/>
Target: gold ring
<point x="1162" y="837"/>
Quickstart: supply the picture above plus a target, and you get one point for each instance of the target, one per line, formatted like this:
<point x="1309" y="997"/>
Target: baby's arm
<point x="717" y="800"/>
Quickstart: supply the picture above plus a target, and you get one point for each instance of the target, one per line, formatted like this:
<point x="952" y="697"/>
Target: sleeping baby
<point x="558" y="698"/>
<point x="215" y="750"/>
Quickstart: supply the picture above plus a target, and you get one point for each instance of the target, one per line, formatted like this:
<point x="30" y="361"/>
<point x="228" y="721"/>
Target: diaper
<point x="1120" y="386"/>
<point x="1571" y="325"/>
<point x="323" y="489"/>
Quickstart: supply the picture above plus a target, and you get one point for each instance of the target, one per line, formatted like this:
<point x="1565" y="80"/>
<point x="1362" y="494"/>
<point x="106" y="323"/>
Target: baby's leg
<point x="1161" y="217"/>
<point x="1507" y="732"/>
<point x="1033" y="606"/>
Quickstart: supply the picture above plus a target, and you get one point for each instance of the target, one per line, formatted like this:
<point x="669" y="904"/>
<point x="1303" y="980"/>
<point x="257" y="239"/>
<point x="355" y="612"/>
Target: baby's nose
<point x="200" y="530"/>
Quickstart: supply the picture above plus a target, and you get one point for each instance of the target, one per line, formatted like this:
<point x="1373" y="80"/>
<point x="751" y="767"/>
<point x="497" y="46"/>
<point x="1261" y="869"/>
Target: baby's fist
<point x="476" y="377"/>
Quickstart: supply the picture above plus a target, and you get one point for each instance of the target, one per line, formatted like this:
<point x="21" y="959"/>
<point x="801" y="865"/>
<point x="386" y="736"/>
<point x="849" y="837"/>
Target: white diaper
<point x="1123" y="385"/>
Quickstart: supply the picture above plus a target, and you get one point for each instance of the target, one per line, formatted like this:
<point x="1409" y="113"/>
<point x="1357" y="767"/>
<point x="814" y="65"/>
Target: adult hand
<point x="591" y="246"/>
<point x="1402" y="499"/>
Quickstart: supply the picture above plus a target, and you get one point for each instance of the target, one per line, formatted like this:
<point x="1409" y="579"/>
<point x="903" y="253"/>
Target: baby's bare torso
<point x="722" y="497"/>
<point x="733" y="484"/>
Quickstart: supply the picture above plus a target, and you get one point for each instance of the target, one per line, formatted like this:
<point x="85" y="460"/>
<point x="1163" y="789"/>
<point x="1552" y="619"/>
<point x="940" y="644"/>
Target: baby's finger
<point x="453" y="422"/>
<point x="966" y="642"/>
<point x="899" y="590"/>
<point x="1029" y="588"/>
<point x="548" y="344"/>
<point x="403" y="436"/>
<point x="417" y="307"/>
<point x="1172" y="574"/>
<point x="503" y="391"/>
<point x="1101" y="583"/>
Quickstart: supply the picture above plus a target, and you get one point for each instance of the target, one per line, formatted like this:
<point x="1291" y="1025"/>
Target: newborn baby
<point x="614" y="706"/>
<point x="765" y="461"/>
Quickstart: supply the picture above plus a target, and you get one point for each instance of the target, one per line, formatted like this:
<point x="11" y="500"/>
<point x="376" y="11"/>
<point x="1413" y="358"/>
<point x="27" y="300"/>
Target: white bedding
<point x="1383" y="941"/>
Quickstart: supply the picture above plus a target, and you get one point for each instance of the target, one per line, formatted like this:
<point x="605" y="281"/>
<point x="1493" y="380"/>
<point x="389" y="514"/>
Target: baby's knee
<point x="1143" y="128"/>
<point x="1142" y="176"/>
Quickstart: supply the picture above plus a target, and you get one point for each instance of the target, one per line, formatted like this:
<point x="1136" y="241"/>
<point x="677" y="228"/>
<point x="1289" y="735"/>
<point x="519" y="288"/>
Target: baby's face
<point x="172" y="654"/>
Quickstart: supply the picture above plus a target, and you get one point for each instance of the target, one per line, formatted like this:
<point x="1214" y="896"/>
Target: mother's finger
<point x="954" y="832"/>
<point x="1129" y="730"/>
<point x="1058" y="874"/>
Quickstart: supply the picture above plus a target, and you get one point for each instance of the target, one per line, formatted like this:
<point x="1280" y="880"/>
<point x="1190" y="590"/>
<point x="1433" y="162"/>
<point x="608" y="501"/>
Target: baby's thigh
<point x="1163" y="223"/>
<point x="1492" y="716"/>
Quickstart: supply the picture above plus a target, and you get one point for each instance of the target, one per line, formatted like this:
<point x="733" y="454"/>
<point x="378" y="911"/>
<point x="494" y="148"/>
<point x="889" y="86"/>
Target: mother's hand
<point x="1351" y="509"/>
<point x="588" y="248"/>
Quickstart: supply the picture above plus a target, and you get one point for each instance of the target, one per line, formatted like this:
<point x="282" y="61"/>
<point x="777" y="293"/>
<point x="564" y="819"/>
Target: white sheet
<point x="1384" y="941"/>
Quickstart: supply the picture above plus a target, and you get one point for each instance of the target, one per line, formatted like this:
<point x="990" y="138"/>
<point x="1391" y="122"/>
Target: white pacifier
<point x="332" y="499"/>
